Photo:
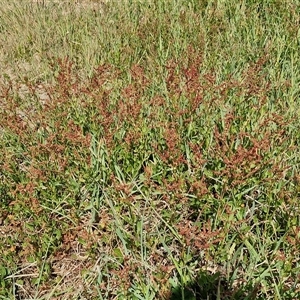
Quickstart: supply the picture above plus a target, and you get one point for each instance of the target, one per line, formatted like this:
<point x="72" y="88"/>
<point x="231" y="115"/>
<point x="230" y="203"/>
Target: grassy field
<point x="150" y="149"/>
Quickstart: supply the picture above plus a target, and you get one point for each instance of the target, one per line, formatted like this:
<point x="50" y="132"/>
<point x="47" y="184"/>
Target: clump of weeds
<point x="149" y="150"/>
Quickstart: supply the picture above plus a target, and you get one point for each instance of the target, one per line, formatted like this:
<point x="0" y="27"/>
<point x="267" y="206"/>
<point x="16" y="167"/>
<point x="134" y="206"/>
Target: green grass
<point x="150" y="150"/>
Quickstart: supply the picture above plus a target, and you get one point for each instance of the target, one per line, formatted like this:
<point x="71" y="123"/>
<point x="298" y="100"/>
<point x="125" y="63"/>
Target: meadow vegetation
<point x="150" y="149"/>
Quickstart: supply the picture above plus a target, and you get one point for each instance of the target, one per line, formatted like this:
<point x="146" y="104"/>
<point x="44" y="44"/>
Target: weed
<point x="149" y="150"/>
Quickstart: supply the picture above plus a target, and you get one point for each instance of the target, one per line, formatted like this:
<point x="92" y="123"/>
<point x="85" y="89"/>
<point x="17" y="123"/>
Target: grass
<point x="149" y="150"/>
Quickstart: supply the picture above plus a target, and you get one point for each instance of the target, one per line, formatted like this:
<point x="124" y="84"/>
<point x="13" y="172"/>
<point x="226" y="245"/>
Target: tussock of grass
<point x="149" y="150"/>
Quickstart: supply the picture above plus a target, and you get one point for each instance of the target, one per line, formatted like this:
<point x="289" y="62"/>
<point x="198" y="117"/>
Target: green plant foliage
<point x="149" y="150"/>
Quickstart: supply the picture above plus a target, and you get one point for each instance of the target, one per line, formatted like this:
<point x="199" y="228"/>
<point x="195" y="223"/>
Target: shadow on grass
<point x="212" y="287"/>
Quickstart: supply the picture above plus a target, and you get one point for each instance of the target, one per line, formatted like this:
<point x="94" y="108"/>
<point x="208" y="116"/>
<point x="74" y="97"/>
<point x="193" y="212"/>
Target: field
<point x="150" y="149"/>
